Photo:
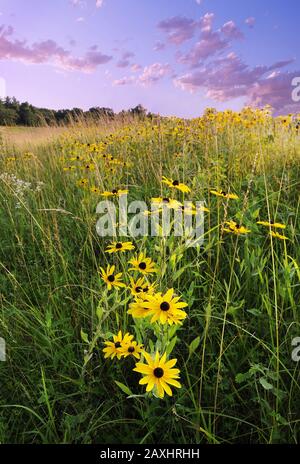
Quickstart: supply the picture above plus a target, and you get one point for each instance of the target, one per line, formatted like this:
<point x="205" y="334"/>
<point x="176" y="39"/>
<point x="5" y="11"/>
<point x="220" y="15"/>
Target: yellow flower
<point x="166" y="308"/>
<point x="158" y="374"/>
<point x="192" y="210"/>
<point x="277" y="235"/>
<point x="114" y="348"/>
<point x="114" y="193"/>
<point x="176" y="184"/>
<point x="169" y="202"/>
<point x="141" y="287"/>
<point x="89" y="167"/>
<point x="276" y="225"/>
<point x="142" y="264"/>
<point x="95" y="189"/>
<point x="69" y="168"/>
<point x="132" y="349"/>
<point x="82" y="183"/>
<point x="235" y="228"/>
<point x="117" y="247"/>
<point x="223" y="194"/>
<point x="137" y="309"/>
<point x="111" y="279"/>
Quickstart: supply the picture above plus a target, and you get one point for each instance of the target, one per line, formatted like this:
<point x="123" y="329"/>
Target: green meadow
<point x="239" y="372"/>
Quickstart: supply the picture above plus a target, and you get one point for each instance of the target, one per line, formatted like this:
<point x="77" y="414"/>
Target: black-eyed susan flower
<point x="141" y="287"/>
<point x="119" y="247"/>
<point x="137" y="309"/>
<point x="176" y="185"/>
<point x="114" y="193"/>
<point x="279" y="236"/>
<point x="110" y="278"/>
<point x="95" y="190"/>
<point x="166" y="308"/>
<point x="114" y="348"/>
<point x="166" y="201"/>
<point x="159" y="374"/>
<point x="89" y="167"/>
<point x="69" y="168"/>
<point x="275" y="225"/>
<point x="223" y="194"/>
<point x="235" y="228"/>
<point x="142" y="264"/>
<point x="132" y="349"/>
<point x="82" y="183"/>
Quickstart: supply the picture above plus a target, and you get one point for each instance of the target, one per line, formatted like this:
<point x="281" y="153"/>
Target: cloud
<point x="99" y="3"/>
<point x="47" y="52"/>
<point x="199" y="2"/>
<point x="159" y="46"/>
<point x="231" y="30"/>
<point x="151" y="75"/>
<point x="154" y="73"/>
<point x="207" y="47"/>
<point x="136" y="67"/>
<point x="229" y="77"/>
<point x="124" y="81"/>
<point x="125" y="61"/>
<point x="210" y="42"/>
<point x="250" y="21"/>
<point x="179" y="29"/>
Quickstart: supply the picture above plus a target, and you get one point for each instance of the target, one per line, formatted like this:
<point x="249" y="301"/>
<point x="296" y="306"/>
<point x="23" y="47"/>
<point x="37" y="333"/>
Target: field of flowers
<point x="145" y="339"/>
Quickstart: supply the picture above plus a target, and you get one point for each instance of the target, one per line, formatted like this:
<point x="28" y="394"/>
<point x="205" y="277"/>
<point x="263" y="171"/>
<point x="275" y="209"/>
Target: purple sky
<point x="175" y="57"/>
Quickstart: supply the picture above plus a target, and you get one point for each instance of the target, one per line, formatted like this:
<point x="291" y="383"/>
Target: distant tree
<point x="27" y="115"/>
<point x="139" y="111"/>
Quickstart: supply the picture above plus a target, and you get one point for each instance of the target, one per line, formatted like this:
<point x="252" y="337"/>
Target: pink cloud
<point x="178" y="29"/>
<point x="151" y="75"/>
<point x="125" y="61"/>
<point x="207" y="47"/>
<point x="211" y="42"/>
<point x="136" y="67"/>
<point x="154" y="73"/>
<point x="159" y="46"/>
<point x="229" y="77"/>
<point x="48" y="52"/>
<point x="231" y="30"/>
<point x="250" y="21"/>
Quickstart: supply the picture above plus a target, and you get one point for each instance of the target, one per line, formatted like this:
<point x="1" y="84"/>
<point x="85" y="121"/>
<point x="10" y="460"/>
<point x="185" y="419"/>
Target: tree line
<point x="13" y="113"/>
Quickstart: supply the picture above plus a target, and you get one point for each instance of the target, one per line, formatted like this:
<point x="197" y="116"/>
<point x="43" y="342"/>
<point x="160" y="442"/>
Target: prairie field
<point x="226" y="310"/>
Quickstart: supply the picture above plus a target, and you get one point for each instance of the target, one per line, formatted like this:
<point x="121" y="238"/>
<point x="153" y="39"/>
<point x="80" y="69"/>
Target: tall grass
<point x="240" y="384"/>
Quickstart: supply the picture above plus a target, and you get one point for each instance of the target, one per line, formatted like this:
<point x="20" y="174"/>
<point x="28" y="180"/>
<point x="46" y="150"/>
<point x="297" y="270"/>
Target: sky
<point x="175" y="57"/>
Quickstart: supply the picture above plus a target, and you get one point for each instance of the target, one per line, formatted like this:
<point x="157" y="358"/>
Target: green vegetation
<point x="239" y="382"/>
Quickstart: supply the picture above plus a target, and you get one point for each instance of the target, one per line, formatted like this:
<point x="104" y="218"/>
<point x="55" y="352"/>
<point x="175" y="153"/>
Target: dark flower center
<point x="166" y="200"/>
<point x="146" y="289"/>
<point x="131" y="349"/>
<point x="175" y="183"/>
<point x="142" y="266"/>
<point x="222" y="192"/>
<point x="158" y="372"/>
<point x="138" y="289"/>
<point x="119" y="246"/>
<point x="117" y="345"/>
<point x="114" y="192"/>
<point x="111" y="278"/>
<point x="165" y="306"/>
